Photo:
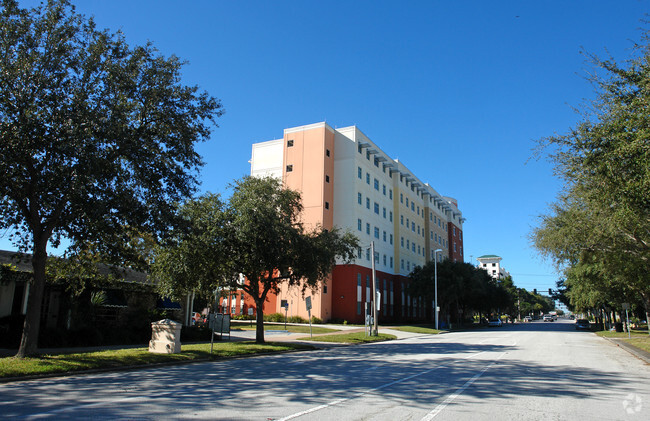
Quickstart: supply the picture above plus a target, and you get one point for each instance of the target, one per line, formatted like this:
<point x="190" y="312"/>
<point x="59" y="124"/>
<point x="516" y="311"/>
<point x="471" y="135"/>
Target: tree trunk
<point x="29" y="341"/>
<point x="259" y="330"/>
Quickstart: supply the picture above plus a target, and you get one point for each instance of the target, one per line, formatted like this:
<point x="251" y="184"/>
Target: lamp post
<point x="435" y="280"/>
<point x="375" y="329"/>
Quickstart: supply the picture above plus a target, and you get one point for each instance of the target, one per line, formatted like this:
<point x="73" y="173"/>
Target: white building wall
<point x="267" y="159"/>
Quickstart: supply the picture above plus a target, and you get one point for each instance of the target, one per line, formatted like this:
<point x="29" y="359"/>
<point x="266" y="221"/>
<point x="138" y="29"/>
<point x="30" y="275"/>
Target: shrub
<point x="316" y="320"/>
<point x="274" y="317"/>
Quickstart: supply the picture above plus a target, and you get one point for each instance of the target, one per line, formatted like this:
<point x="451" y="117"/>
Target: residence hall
<point x="347" y="181"/>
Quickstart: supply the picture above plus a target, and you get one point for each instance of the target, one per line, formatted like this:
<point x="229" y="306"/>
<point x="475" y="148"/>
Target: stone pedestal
<point x="165" y="337"/>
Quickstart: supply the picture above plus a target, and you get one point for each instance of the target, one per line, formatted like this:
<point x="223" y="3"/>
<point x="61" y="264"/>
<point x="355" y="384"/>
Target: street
<point x="526" y="371"/>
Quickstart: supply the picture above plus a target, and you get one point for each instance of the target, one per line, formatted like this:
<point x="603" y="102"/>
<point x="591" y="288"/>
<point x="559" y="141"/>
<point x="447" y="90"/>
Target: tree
<point x="602" y="217"/>
<point x="258" y="234"/>
<point x="96" y="139"/>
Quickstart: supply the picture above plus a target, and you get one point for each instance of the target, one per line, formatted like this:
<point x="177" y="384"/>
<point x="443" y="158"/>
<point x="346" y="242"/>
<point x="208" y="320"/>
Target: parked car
<point x="495" y="323"/>
<point x="548" y="318"/>
<point x="528" y="319"/>
<point x="583" y="324"/>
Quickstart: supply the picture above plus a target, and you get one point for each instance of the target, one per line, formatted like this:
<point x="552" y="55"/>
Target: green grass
<point x="417" y="329"/>
<point x="64" y="363"/>
<point x="350" y="338"/>
<point x="640" y="339"/>
<point x="290" y="328"/>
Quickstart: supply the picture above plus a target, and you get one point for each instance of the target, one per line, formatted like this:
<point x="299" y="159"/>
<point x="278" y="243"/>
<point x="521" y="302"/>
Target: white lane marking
<point x="338" y="401"/>
<point x="438" y="409"/>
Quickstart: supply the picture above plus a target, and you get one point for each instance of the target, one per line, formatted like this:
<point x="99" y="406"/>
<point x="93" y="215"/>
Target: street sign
<point x="308" y="303"/>
<point x="284" y="303"/>
<point x="250" y="311"/>
<point x="626" y="306"/>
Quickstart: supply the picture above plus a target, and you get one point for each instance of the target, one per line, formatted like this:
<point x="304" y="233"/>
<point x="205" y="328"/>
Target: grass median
<point x="350" y="338"/>
<point x="417" y="329"/>
<point x="66" y="363"/>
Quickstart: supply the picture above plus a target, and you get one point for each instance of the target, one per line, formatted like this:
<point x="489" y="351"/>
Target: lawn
<point x="65" y="363"/>
<point x="416" y="329"/>
<point x="640" y="339"/>
<point x="350" y="338"/>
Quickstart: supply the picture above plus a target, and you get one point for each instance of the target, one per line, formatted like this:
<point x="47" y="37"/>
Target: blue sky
<point x="457" y="90"/>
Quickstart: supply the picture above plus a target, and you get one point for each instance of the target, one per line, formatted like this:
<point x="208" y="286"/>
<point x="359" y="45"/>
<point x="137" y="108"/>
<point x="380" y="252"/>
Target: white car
<point x="548" y="318"/>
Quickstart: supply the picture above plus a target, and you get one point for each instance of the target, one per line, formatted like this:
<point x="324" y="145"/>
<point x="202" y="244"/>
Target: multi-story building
<point x="492" y="264"/>
<point x="347" y="181"/>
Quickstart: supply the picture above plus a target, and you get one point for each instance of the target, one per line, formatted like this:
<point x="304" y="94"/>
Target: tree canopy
<point x="259" y="234"/>
<point x="96" y="138"/>
<point x="598" y="230"/>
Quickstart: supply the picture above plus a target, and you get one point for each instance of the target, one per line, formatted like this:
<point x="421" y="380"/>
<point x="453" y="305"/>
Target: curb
<point x="637" y="352"/>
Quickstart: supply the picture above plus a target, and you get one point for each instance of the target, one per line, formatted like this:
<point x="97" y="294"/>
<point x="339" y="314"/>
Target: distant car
<point x="583" y="324"/>
<point x="528" y="319"/>
<point x="495" y="323"/>
<point x="548" y="318"/>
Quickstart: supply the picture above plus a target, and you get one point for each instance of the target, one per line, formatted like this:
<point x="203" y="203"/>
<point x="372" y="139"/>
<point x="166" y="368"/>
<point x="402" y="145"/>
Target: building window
<point x="384" y="236"/>
<point x="390" y="216"/>
<point x="327" y="205"/>
<point x="391" y="239"/>
<point x="327" y="152"/>
<point x="401" y="219"/>
<point x="367" y="203"/>
<point x="402" y="263"/>
<point x="359" y="224"/>
<point x="401" y="240"/>
<point x="407" y="223"/>
<point x="376" y="232"/>
<point x="401" y="198"/>
<point x="367" y="228"/>
<point x="324" y="289"/>
<point x="454" y="231"/>
<point x="359" y="198"/>
<point x="359" y="148"/>
<point x="383" y="188"/>
<point x="327" y="178"/>
<point x="390" y="194"/>
<point x="289" y="168"/>
<point x="359" y="173"/>
<point x="391" y="262"/>
<point x="412" y="206"/>
<point x="408" y="244"/>
<point x="289" y="143"/>
<point x="377" y="208"/>
<point x="407" y="202"/>
<point x="368" y="254"/>
<point x="359" y="252"/>
<point x="376" y="182"/>
<point x="368" y="178"/>
<point x="384" y="213"/>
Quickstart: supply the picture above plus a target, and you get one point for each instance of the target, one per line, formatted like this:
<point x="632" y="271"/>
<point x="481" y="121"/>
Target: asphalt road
<point x="535" y="371"/>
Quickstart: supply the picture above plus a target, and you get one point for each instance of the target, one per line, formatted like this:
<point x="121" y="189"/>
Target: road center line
<point x="338" y="401"/>
<point x="438" y="409"/>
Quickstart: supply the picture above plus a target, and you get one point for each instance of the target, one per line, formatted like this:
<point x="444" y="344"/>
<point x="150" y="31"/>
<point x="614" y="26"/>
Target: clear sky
<point x="457" y="90"/>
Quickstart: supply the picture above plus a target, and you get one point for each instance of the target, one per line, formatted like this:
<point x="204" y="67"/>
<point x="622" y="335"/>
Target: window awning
<point x="167" y="304"/>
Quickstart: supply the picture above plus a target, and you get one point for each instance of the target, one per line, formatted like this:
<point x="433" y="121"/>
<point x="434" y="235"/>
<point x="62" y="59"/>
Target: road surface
<point x="533" y="371"/>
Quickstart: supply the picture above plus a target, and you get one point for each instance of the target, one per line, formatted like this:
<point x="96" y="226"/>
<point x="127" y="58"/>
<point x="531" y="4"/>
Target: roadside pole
<point x="308" y="305"/>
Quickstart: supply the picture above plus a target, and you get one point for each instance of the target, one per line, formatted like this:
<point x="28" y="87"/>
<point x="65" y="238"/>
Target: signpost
<point x="308" y="305"/>
<point x="626" y="307"/>
<point x="285" y="304"/>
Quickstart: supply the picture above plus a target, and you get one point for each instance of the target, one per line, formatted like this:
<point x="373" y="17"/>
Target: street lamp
<point x="435" y="280"/>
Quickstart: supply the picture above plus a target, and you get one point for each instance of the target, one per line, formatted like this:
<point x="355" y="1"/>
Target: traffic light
<point x="535" y="291"/>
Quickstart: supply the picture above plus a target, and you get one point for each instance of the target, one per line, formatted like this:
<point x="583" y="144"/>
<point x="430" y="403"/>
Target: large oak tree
<point x="599" y="228"/>
<point x="257" y="233"/>
<point x="96" y="138"/>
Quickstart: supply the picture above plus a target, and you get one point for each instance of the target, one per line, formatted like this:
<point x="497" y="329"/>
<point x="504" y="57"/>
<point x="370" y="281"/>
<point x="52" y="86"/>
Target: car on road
<point x="548" y="318"/>
<point x="528" y="319"/>
<point x="495" y="323"/>
<point x="583" y="324"/>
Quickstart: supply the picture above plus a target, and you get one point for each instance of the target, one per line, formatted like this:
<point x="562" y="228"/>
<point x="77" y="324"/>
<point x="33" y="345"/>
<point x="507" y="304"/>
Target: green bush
<point x="274" y="317"/>
<point x="315" y="320"/>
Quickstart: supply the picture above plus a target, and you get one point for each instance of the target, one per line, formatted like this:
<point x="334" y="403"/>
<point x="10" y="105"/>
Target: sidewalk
<point x="637" y="352"/>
